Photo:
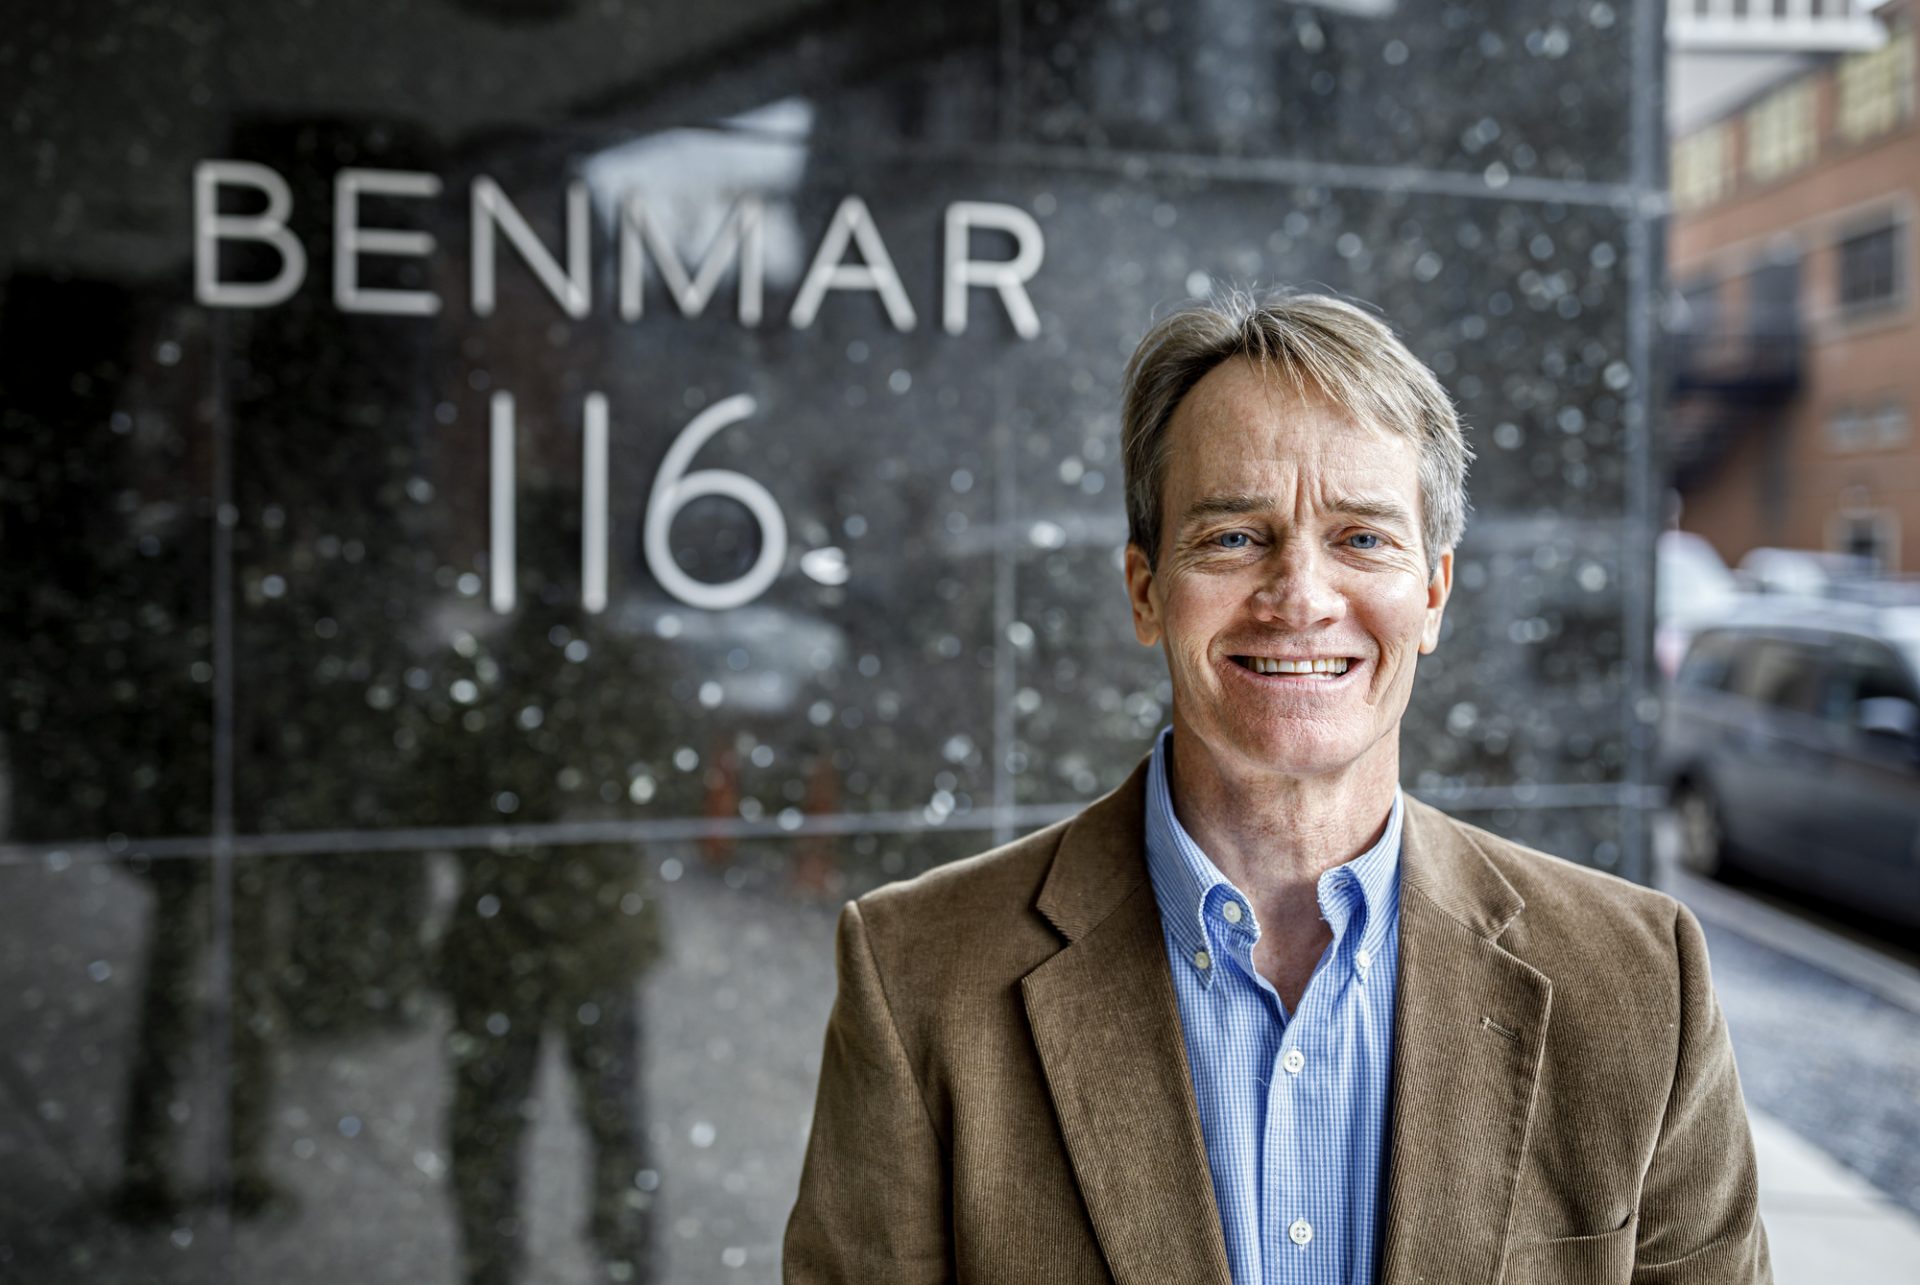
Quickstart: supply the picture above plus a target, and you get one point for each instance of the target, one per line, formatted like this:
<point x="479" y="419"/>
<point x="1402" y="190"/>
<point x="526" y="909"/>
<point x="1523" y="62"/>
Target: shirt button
<point x="1231" y="912"/>
<point x="1301" y="1232"/>
<point x="1202" y="960"/>
<point x="1362" y="958"/>
<point x="1293" y="1061"/>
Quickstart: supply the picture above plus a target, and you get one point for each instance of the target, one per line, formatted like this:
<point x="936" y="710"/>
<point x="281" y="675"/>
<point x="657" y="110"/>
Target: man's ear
<point x="1146" y="616"/>
<point x="1439" y="588"/>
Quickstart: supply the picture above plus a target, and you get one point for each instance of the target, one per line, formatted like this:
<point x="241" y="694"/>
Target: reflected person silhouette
<point x="545" y="938"/>
<point x="171" y="1019"/>
<point x="548" y="940"/>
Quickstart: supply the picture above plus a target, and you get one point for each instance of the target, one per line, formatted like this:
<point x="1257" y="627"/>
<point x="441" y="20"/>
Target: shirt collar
<point x="1188" y="886"/>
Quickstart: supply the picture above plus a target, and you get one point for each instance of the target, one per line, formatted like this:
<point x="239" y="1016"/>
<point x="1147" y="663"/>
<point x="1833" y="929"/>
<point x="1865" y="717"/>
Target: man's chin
<point x="1287" y="753"/>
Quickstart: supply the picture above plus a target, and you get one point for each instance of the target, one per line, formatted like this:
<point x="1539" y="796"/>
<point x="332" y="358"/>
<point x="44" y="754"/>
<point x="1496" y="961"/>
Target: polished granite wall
<point x="351" y="928"/>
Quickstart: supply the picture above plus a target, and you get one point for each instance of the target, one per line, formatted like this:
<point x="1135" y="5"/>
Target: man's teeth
<point x="1268" y="665"/>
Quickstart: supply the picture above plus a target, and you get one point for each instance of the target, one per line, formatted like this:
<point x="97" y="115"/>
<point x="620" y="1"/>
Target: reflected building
<point x="448" y="697"/>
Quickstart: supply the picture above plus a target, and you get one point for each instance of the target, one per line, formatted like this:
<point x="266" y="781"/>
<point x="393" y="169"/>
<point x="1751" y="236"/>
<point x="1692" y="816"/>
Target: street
<point x="1824" y="1011"/>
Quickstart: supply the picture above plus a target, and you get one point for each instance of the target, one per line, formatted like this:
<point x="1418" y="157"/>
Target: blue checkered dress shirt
<point x="1293" y="1107"/>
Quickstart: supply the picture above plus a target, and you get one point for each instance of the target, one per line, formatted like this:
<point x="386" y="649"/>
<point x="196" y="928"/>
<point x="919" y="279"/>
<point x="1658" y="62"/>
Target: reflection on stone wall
<point x="351" y="928"/>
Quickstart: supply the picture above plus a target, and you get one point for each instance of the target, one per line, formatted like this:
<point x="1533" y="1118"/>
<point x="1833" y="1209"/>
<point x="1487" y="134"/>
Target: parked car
<point x="1692" y="589"/>
<point x="1791" y="748"/>
<point x="1805" y="572"/>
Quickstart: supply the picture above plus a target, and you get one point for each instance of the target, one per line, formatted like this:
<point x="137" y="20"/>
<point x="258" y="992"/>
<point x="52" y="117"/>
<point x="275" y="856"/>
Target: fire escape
<point x="1735" y="369"/>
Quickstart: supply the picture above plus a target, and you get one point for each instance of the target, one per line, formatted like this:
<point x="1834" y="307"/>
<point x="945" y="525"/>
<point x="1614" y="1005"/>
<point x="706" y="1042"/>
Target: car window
<point x="1781" y="673"/>
<point x="1866" y="671"/>
<point x="1709" y="662"/>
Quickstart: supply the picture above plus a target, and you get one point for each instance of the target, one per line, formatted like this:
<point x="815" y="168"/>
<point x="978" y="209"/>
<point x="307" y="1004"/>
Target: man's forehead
<point x="1374" y="504"/>
<point x="1251" y="442"/>
<point x="1228" y="453"/>
<point x="1237" y="409"/>
<point x="1240" y="388"/>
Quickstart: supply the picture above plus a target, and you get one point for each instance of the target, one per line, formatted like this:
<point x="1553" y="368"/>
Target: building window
<point x="1702" y="167"/>
<point x="1881" y="427"/>
<point x="1848" y="430"/>
<point x="1773" y="295"/>
<point x="1870" y="268"/>
<point x="1890" y="425"/>
<point x="1780" y="133"/>
<point x="1876" y="89"/>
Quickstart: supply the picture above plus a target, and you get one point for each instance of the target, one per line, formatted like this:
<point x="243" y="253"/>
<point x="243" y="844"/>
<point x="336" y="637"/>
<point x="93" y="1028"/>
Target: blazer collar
<point x="1470" y="1027"/>
<point x="1102" y="858"/>
<point x="1106" y="1024"/>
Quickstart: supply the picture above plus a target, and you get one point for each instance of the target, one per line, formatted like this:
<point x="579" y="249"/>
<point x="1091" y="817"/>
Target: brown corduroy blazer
<point x="1005" y="1097"/>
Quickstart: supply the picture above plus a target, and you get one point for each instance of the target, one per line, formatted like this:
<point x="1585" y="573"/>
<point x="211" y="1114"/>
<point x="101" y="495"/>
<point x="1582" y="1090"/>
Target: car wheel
<point x="1703" y="835"/>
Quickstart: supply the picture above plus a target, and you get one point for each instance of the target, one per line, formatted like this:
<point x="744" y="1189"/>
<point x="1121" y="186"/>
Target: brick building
<point x="1796" y="361"/>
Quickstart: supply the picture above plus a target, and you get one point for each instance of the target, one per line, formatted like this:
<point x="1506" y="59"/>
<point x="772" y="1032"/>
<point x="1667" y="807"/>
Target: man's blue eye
<point x="1364" y="535"/>
<point x="1233" y="535"/>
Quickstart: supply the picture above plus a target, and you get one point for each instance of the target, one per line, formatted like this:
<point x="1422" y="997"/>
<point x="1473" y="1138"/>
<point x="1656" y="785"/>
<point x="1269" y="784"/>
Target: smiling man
<point x="1256" y="1016"/>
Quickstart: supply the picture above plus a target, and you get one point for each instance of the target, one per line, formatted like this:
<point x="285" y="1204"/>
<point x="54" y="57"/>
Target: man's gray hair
<point x="1316" y="342"/>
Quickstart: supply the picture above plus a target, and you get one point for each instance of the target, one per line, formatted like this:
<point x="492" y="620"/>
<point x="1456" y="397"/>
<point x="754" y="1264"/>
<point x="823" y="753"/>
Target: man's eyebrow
<point x="1214" y="506"/>
<point x="1387" y="512"/>
<point x="1373" y="509"/>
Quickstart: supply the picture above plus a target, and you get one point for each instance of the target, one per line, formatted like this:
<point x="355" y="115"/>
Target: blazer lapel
<point x="1471" y="1023"/>
<point x="1107" y="1026"/>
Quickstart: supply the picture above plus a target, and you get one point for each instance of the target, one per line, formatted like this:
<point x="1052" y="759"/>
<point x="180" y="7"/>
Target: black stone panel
<point x="1592" y="836"/>
<point x="1520" y="308"/>
<point x="419" y="782"/>
<point x="1526" y="323"/>
<point x="1531" y="686"/>
<point x="1089" y="697"/>
<point x="1499" y="88"/>
<point x="106" y="690"/>
<point x="850" y="71"/>
<point x="379" y="688"/>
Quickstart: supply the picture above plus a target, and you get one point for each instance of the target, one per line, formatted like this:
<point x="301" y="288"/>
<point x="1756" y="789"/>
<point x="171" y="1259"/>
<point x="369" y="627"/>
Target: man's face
<point x="1290" y="532"/>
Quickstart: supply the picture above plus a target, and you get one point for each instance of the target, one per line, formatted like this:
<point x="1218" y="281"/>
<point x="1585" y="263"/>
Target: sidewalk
<point x="1824" y="1224"/>
<point x="1826" y="1031"/>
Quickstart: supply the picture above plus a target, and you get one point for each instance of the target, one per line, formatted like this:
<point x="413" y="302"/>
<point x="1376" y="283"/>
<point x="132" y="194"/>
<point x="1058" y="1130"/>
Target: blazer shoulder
<point x="1570" y="904"/>
<point x="982" y="901"/>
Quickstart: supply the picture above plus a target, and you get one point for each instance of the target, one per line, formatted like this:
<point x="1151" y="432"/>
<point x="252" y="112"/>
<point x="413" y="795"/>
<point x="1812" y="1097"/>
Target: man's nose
<point x="1298" y="590"/>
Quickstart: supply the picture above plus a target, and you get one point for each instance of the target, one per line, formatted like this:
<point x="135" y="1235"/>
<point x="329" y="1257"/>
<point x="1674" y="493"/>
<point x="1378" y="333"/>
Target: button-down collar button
<point x="1293" y="1061"/>
<point x="1202" y="960"/>
<point x="1362" y="958"/>
<point x="1301" y="1232"/>
<point x="1231" y="912"/>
